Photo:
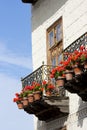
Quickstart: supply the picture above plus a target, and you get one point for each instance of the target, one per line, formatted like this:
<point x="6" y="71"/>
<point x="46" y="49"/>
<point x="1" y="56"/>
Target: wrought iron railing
<point x="76" y="44"/>
<point x="43" y="72"/>
<point x="78" y="83"/>
<point x="40" y="74"/>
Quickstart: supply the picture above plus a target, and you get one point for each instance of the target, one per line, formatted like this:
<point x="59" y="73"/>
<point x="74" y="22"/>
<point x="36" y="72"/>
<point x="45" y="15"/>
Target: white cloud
<point x="16" y="60"/>
<point x="7" y="82"/>
<point x="8" y="56"/>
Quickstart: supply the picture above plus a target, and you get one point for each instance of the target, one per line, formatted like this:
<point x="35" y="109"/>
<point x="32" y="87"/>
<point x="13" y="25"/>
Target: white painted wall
<point x="44" y="14"/>
<point x="75" y="20"/>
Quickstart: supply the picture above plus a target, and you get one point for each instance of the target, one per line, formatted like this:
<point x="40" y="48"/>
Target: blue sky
<point x="15" y="62"/>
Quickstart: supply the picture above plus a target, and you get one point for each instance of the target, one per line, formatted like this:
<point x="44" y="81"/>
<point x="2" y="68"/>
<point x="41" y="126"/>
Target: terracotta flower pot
<point x="48" y="93"/>
<point x="60" y="81"/>
<point x="77" y="70"/>
<point x="37" y="95"/>
<point x="25" y="101"/>
<point x="30" y="98"/>
<point x="69" y="74"/>
<point x="85" y="65"/>
<point x="20" y="105"/>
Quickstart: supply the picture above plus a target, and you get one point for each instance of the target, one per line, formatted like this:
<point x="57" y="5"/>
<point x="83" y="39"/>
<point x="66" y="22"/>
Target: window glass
<point x="54" y="61"/>
<point x="58" y="32"/>
<point x="60" y="57"/>
<point x="51" y="38"/>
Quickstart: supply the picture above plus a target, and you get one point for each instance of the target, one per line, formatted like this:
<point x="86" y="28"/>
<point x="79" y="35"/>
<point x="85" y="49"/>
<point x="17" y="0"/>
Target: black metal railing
<point x="82" y="40"/>
<point x="78" y="83"/>
<point x="48" y="107"/>
<point x="43" y="72"/>
<point x="40" y="74"/>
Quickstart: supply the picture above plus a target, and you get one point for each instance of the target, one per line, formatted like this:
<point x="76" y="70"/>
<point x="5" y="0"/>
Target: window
<point x="55" y="43"/>
<point x="58" y="32"/>
<point x="53" y="61"/>
<point x="60" y="57"/>
<point x="51" y="38"/>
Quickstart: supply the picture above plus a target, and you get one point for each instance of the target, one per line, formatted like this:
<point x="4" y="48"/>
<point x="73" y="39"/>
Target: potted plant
<point x="18" y="101"/>
<point x="37" y="90"/>
<point x="68" y="69"/>
<point x="77" y="60"/>
<point x="83" y="57"/>
<point x="75" y="66"/>
<point x="58" y="74"/>
<point x="23" y="95"/>
<point x="29" y="91"/>
<point x="48" y="87"/>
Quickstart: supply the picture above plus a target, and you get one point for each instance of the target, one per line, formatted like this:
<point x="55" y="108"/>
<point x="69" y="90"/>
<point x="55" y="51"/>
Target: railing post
<point x="43" y="78"/>
<point x="22" y="82"/>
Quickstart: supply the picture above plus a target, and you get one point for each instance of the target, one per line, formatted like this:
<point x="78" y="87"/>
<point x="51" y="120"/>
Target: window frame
<point x="52" y="27"/>
<point x="57" y="45"/>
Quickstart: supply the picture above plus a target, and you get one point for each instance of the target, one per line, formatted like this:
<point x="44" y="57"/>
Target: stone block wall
<point x="74" y="14"/>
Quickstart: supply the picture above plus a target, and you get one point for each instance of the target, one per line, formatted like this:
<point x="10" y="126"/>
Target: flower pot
<point x="60" y="81"/>
<point x="85" y="65"/>
<point x="77" y="70"/>
<point x="25" y="101"/>
<point x="30" y="98"/>
<point x="20" y="105"/>
<point x="48" y="93"/>
<point x="69" y="74"/>
<point x="37" y="95"/>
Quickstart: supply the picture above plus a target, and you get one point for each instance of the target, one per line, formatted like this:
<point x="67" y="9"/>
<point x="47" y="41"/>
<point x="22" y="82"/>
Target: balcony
<point x="78" y="84"/>
<point x="56" y="105"/>
<point x="48" y="107"/>
<point x="29" y="1"/>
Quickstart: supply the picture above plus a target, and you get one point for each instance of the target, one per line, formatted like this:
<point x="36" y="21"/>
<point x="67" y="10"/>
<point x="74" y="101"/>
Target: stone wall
<point x="74" y="14"/>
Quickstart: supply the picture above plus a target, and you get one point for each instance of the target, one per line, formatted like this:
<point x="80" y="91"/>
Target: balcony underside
<point x="78" y="85"/>
<point x="29" y="1"/>
<point x="49" y="108"/>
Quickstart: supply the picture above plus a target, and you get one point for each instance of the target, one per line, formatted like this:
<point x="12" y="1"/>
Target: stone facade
<point x="74" y="14"/>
